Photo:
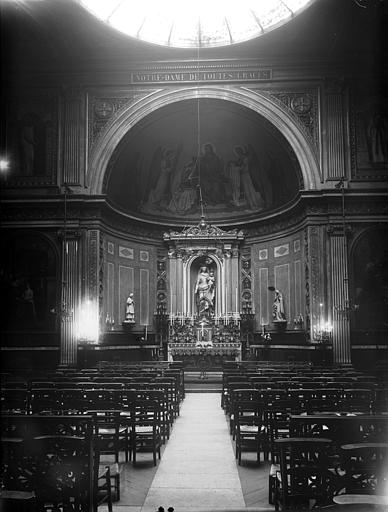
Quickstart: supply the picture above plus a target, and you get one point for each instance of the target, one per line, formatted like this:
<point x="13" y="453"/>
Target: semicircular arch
<point x="259" y="102"/>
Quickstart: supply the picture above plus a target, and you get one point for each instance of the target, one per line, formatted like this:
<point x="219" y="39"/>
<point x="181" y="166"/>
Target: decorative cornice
<point x="203" y="231"/>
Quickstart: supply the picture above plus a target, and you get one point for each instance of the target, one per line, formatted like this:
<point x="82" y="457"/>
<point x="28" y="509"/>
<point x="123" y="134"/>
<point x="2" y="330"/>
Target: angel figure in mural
<point x="278" y="311"/>
<point x="184" y="192"/>
<point x="233" y="174"/>
<point x="205" y="291"/>
<point x="162" y="171"/>
<point x="130" y="310"/>
<point x="244" y="160"/>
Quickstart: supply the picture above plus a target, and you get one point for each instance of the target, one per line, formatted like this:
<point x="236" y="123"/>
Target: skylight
<point x="195" y="23"/>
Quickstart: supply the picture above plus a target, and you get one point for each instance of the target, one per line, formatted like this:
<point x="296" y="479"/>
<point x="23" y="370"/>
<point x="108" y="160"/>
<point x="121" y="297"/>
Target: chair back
<point x="304" y="472"/>
<point x="366" y="468"/>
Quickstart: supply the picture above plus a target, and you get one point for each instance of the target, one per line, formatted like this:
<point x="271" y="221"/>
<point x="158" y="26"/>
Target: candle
<point x="146" y="332"/>
<point x="236" y="300"/>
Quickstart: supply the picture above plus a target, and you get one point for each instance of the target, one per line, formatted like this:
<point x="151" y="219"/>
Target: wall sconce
<point x="345" y="309"/>
<point x="87" y="322"/>
<point x="322" y="333"/>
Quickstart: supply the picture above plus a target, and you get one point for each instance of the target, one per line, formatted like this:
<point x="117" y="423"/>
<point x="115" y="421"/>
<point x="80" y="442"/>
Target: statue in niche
<point x="377" y="137"/>
<point x="130" y="310"/>
<point x="205" y="292"/>
<point x="32" y="145"/>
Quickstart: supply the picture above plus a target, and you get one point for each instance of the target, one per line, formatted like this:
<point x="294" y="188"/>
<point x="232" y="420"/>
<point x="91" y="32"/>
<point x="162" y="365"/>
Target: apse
<point x="216" y="152"/>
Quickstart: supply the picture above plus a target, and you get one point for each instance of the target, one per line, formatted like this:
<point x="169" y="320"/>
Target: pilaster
<point x="70" y="299"/>
<point x="340" y="294"/>
<point x="73" y="138"/>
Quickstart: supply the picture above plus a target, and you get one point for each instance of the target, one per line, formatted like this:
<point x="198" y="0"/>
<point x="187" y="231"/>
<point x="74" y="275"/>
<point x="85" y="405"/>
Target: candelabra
<point x="298" y="322"/>
<point x="345" y="309"/>
<point x="266" y="337"/>
<point x="161" y="318"/>
<point x="65" y="313"/>
<point x="109" y="322"/>
<point x="322" y="333"/>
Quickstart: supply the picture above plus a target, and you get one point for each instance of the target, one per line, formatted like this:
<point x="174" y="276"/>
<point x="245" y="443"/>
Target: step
<point x="215" y="377"/>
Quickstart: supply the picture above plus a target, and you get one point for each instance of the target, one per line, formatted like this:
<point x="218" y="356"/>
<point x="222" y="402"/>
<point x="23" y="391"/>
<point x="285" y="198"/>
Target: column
<point x="336" y="129"/>
<point x="172" y="303"/>
<point x="315" y="277"/>
<point x="73" y="138"/>
<point x="70" y="298"/>
<point x="235" y="280"/>
<point x="179" y="283"/>
<point x="228" y="282"/>
<point x="340" y="295"/>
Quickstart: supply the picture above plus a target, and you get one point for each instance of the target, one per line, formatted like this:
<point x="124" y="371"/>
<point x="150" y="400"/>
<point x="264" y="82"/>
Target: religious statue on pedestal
<point x="130" y="310"/>
<point x="278" y="311"/>
<point x="205" y="292"/>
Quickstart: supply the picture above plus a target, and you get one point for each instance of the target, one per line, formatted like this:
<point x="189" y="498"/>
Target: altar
<point x="204" y="296"/>
<point x="198" y="355"/>
<point x="198" y="339"/>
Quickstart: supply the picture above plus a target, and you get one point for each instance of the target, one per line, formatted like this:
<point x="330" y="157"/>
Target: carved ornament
<point x="203" y="231"/>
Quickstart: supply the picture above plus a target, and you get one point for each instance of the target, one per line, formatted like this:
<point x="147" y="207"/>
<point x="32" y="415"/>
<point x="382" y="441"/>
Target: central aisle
<point x="198" y="467"/>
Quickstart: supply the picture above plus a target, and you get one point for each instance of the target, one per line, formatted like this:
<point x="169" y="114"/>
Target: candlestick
<point x="145" y="332"/>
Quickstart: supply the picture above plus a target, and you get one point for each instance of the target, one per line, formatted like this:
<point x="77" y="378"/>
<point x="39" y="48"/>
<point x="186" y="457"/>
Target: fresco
<point x="237" y="165"/>
<point x="370" y="280"/>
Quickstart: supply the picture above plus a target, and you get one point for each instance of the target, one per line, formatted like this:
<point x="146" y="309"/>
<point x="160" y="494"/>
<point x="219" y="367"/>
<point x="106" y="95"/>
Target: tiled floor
<point x="198" y="468"/>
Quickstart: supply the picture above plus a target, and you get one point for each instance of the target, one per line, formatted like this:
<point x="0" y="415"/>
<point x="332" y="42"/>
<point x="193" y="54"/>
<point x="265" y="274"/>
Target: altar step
<point x="211" y="382"/>
<point x="195" y="376"/>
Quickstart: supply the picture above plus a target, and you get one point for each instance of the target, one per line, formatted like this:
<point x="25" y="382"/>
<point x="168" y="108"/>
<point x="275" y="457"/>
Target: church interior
<point x="213" y="337"/>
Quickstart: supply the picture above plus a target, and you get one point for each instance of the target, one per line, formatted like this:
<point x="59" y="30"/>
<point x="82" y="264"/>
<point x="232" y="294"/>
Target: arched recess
<point x="188" y="285"/>
<point x="259" y="102"/>
<point x="369" y="277"/>
<point x="29" y="280"/>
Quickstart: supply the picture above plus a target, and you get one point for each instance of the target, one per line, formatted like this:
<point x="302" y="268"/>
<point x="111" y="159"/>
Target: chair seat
<point x="107" y="431"/>
<point x="248" y="428"/>
<point x="17" y="495"/>
<point x="274" y="469"/>
<point x="114" y="468"/>
<point x="354" y="499"/>
<point x="145" y="429"/>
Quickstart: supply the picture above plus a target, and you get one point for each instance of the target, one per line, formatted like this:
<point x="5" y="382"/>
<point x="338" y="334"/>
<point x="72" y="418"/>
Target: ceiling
<point x="59" y="35"/>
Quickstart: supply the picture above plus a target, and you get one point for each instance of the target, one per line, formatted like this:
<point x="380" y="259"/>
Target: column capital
<point x="69" y="234"/>
<point x="339" y="230"/>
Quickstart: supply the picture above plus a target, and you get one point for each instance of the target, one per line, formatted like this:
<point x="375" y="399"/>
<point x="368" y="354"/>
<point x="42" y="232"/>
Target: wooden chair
<point x="73" y="401"/>
<point x="250" y="432"/>
<point x="110" y="434"/>
<point x="366" y="468"/>
<point x="15" y="401"/>
<point x="146" y="429"/>
<point x="16" y="483"/>
<point x="304" y="474"/>
<point x="45" y="400"/>
<point x="64" y="473"/>
<point x="163" y="400"/>
<point x="237" y="396"/>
